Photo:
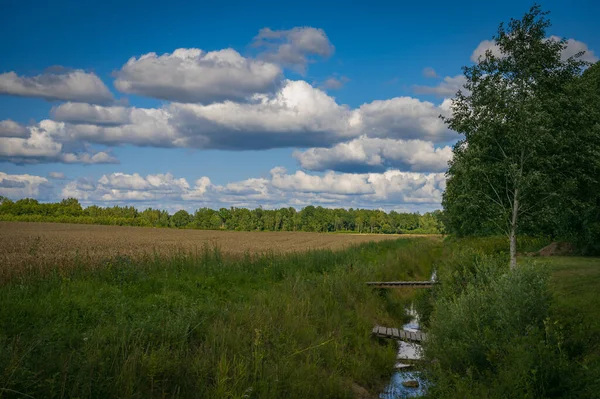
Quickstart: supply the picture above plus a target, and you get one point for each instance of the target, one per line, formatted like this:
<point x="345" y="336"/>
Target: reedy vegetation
<point x="206" y="325"/>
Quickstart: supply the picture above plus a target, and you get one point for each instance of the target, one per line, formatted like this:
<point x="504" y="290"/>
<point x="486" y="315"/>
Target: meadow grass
<point x="203" y="324"/>
<point x="197" y="325"/>
<point x="575" y="284"/>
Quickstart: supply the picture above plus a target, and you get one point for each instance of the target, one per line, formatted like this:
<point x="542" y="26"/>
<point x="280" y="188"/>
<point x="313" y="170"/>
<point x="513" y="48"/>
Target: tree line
<point x="310" y="218"/>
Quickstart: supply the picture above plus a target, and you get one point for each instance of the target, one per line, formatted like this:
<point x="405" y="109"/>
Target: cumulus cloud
<point x="294" y="47"/>
<point x="57" y="175"/>
<point x="58" y="85"/>
<point x="575" y="47"/>
<point x="331" y="182"/>
<point x="373" y="154"/>
<point x="572" y="47"/>
<point x="193" y="75"/>
<point x="403" y="118"/>
<point x="87" y="158"/>
<point x="297" y="115"/>
<point x="389" y="190"/>
<point x="127" y="187"/>
<point x="23" y="186"/>
<point x="82" y="113"/>
<point x="482" y="48"/>
<point x="447" y="88"/>
<point x="429" y="72"/>
<point x="334" y="83"/>
<point x="42" y="145"/>
<point x="9" y="128"/>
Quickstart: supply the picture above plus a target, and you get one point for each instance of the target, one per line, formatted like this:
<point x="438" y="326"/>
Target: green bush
<point x="491" y="335"/>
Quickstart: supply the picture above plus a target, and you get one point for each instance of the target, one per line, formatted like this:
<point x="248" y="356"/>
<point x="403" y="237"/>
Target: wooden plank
<point x="391" y="284"/>
<point x="400" y="334"/>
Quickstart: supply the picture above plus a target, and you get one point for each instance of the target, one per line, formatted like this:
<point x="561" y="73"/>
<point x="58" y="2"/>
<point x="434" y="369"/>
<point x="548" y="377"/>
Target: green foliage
<point x="529" y="160"/>
<point x="181" y="219"/>
<point x="312" y="219"/>
<point x="492" y="336"/>
<point x="204" y="325"/>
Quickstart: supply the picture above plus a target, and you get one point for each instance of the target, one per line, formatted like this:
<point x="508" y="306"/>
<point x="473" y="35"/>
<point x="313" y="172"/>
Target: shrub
<point x="490" y="335"/>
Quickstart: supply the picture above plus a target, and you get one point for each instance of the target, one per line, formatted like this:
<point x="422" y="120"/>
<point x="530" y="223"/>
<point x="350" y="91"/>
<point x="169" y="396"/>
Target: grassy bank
<point x="205" y="325"/>
<point x="532" y="332"/>
<point x="575" y="285"/>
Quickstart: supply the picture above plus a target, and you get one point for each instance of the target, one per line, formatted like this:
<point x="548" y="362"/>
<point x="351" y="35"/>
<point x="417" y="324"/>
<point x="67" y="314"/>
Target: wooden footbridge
<point x="402" y="284"/>
<point x="395" y="333"/>
<point x="399" y="334"/>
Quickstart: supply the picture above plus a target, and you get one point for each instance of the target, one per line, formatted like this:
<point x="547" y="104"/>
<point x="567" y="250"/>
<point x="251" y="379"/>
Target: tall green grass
<point x="203" y="325"/>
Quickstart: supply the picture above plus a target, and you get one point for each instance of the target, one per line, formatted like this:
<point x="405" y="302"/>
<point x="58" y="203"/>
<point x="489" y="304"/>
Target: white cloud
<point x="9" y="128"/>
<point x="91" y="114"/>
<point x="146" y="127"/>
<point x="293" y="48"/>
<point x="575" y="47"/>
<point x="87" y="158"/>
<point x="447" y="88"/>
<point x="373" y="154"/>
<point x="76" y="85"/>
<point x="193" y="75"/>
<point x="331" y="182"/>
<point x="38" y="145"/>
<point x="297" y="115"/>
<point x="572" y="47"/>
<point x="57" y="175"/>
<point x="390" y="190"/>
<point x="483" y="47"/>
<point x="429" y="72"/>
<point x="403" y="118"/>
<point x="23" y="186"/>
<point x="127" y="187"/>
<point x="334" y="83"/>
<point x="42" y="145"/>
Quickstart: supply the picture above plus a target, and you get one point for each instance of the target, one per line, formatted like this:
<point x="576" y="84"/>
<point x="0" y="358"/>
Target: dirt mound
<point x="556" y="249"/>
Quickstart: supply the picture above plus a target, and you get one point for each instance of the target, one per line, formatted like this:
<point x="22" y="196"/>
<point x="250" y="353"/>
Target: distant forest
<point x="311" y="218"/>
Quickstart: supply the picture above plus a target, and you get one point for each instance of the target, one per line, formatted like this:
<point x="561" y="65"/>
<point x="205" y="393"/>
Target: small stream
<point x="405" y="372"/>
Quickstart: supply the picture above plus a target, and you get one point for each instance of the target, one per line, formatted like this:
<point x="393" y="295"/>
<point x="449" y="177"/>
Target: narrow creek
<point x="402" y="383"/>
<point x="405" y="374"/>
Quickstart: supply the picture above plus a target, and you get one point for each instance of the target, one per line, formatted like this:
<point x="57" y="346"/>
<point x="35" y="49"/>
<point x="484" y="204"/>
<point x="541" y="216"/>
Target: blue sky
<point x="281" y="104"/>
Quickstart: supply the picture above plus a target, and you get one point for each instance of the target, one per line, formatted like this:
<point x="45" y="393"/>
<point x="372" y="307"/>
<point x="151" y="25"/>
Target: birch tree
<point x="502" y="167"/>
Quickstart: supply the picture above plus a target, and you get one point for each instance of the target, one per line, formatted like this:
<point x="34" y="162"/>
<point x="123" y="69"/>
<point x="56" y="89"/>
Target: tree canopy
<point x="528" y="159"/>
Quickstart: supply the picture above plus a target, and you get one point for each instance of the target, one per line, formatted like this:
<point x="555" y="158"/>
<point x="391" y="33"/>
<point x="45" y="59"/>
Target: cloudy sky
<point x="174" y="105"/>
